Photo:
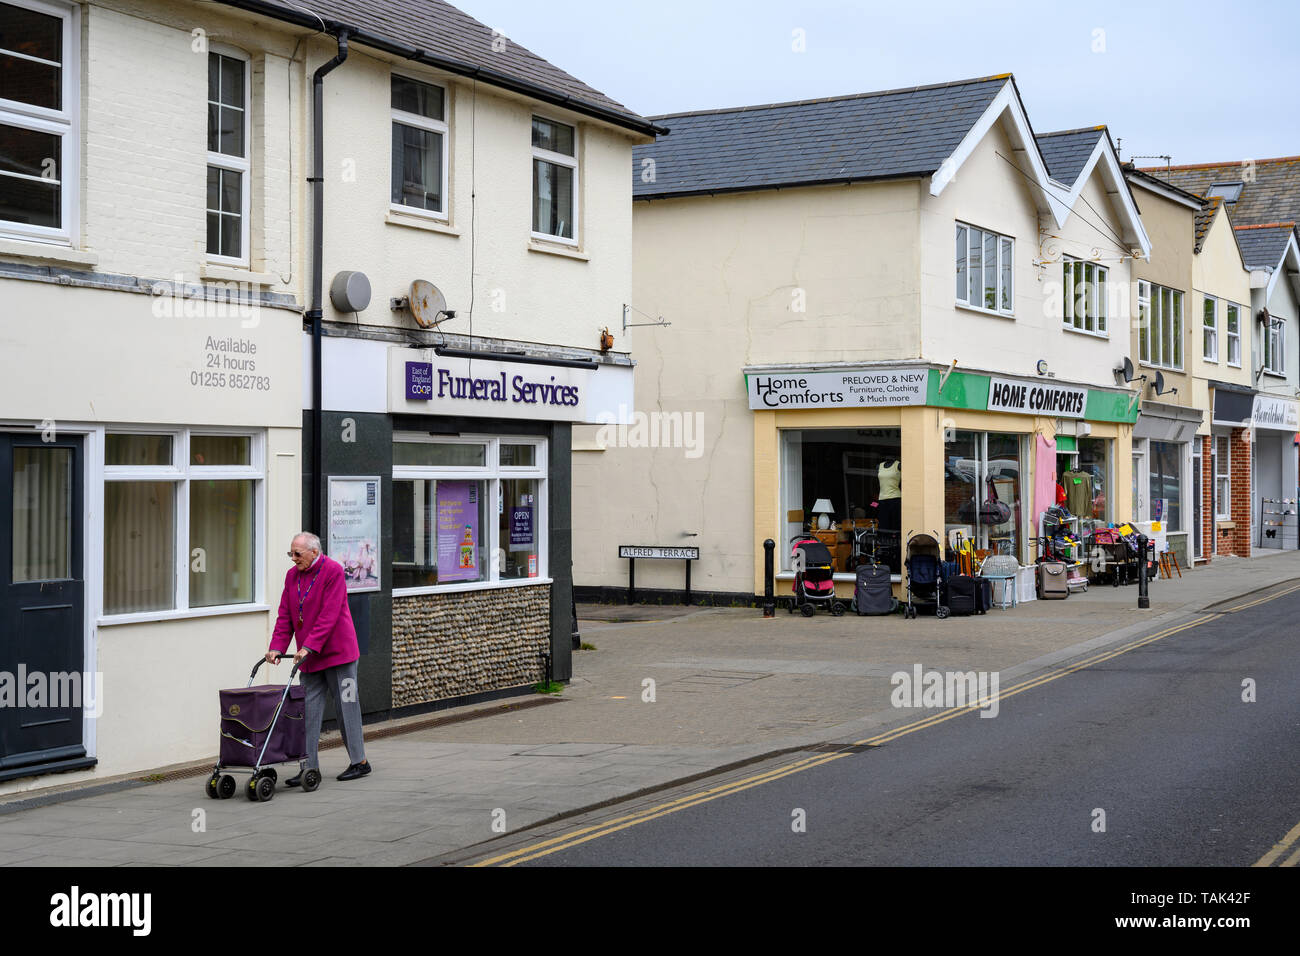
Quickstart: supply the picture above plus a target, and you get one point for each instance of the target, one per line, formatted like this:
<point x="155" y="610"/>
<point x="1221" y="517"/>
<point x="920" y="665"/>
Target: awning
<point x="1173" y="423"/>
<point x="1233" y="404"/>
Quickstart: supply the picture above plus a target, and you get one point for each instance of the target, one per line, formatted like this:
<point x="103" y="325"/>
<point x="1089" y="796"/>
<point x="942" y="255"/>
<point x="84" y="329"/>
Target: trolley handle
<point x="278" y="657"/>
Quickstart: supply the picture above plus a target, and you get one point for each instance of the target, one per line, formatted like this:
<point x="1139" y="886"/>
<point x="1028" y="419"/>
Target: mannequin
<point x="890" y="499"/>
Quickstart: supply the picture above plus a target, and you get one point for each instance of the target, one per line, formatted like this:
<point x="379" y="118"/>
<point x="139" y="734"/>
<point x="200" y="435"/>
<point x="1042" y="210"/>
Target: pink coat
<point x="326" y="628"/>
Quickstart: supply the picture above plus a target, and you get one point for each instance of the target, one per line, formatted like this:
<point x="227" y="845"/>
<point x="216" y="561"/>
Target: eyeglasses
<point x="297" y="554"/>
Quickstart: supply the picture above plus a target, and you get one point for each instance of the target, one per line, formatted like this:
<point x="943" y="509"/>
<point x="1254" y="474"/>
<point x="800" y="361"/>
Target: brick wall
<point x="450" y="645"/>
<point x="1206" y="478"/>
<point x="1238" y="541"/>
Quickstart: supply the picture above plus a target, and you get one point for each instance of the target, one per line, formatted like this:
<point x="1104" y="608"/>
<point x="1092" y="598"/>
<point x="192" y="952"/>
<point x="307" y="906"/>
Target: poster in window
<point x="458" y="531"/>
<point x="353" y="538"/>
<point x="521" y="526"/>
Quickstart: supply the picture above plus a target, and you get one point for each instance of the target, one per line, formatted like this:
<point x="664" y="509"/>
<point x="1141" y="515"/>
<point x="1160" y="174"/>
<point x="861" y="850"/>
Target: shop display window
<point x="855" y="475"/>
<point x="1094" y="462"/>
<point x="982" y="490"/>
<point x="1165" y="465"/>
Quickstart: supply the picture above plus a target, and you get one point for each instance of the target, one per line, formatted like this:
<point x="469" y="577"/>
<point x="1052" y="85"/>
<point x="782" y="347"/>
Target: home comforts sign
<point x="1037" y="398"/>
<point x="423" y="383"/>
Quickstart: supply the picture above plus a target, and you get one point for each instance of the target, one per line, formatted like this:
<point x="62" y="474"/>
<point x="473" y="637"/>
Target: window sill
<point x="1103" y="336"/>
<point x="975" y="308"/>
<point x="1161" y="368"/>
<point x="470" y="586"/>
<point x="1271" y="374"/>
<point x="412" y="221"/>
<point x="221" y="273"/>
<point x="47" y="252"/>
<point x="142" y="617"/>
<point x="557" y="249"/>
<point x="1211" y="361"/>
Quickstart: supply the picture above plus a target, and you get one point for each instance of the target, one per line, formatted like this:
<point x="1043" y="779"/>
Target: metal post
<point x="1143" y="600"/>
<point x="631" y="580"/>
<point x="688" y="582"/>
<point x="769" y="578"/>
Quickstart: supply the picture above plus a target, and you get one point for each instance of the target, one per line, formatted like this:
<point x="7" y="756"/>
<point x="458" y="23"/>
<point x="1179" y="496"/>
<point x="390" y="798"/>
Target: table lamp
<point x="823" y="507"/>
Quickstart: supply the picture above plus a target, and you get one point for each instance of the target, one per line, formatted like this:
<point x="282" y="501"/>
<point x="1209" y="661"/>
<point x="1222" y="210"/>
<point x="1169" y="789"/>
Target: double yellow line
<point x="1269" y="858"/>
<point x="586" y="834"/>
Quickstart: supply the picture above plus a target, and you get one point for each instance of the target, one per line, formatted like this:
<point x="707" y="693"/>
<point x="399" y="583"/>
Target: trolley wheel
<point x="310" y="780"/>
<point x="226" y="789"/>
<point x="837" y="609"/>
<point x="941" y="612"/>
<point x="265" y="788"/>
<point x="807" y="610"/>
<point x="211" y="787"/>
<point x="250" y="790"/>
<point x="270" y="772"/>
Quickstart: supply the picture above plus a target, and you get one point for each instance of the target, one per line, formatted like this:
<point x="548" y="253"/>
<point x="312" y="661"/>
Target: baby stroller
<point x="814" y="578"/>
<point x="260" y="726"/>
<point x="924" y="576"/>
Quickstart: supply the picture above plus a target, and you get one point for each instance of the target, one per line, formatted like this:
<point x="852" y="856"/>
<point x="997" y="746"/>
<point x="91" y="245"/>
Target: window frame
<point x="1232" y="338"/>
<point x="1272" y="352"/>
<point x="64" y="123"/>
<point x="998" y="270"/>
<point x="241" y="165"/>
<point x="492" y="474"/>
<point x="1149" y="295"/>
<point x="1210" y="333"/>
<point x="442" y="127"/>
<point x="1224" y="475"/>
<point x="572" y="162"/>
<point x="1097" y="298"/>
<point x="180" y="473"/>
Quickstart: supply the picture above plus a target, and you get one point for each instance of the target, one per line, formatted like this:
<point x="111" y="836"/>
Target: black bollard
<point x="769" y="578"/>
<point x="1143" y="600"/>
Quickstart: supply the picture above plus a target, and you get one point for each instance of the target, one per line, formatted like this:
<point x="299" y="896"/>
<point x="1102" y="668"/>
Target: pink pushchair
<point x="814" y="577"/>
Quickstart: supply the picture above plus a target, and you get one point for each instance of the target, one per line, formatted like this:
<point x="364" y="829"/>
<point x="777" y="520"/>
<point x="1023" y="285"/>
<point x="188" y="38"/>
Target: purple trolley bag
<point x="261" y="726"/>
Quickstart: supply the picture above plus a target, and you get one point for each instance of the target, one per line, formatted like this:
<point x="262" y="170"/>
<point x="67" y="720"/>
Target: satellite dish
<point x="428" y="305"/>
<point x="1160" y="383"/>
<point x="1128" y="369"/>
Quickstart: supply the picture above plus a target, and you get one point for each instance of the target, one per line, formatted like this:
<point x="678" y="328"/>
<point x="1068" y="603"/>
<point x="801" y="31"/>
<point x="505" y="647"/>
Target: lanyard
<point x="303" y="597"/>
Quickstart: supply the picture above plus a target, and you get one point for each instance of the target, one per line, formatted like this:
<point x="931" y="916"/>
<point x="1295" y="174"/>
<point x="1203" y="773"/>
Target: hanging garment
<point x="1078" y="493"/>
<point x="1044" y="475"/>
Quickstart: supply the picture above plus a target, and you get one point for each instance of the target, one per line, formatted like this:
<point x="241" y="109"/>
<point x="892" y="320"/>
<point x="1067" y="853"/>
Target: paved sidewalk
<point x="728" y="686"/>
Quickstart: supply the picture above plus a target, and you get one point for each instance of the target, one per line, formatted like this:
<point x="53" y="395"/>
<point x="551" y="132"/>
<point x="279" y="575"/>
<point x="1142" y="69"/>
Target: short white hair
<point x="313" y="542"/>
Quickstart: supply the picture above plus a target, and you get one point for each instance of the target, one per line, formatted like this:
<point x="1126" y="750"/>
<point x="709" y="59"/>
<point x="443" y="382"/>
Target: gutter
<point x="457" y="67"/>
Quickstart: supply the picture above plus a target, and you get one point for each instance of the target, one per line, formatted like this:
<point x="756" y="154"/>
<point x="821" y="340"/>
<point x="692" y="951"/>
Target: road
<point x="1146" y="755"/>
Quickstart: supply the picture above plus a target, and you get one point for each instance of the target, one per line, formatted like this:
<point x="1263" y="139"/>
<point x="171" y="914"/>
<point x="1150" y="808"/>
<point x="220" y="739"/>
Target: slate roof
<point x="1262" y="246"/>
<point x="1066" y="151"/>
<point x="449" y="38"/>
<point x="889" y="134"/>
<point x="1274" y="196"/>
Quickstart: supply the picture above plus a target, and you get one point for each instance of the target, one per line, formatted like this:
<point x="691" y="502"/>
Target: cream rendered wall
<point x="1217" y="270"/>
<point x="519" y="292"/>
<point x="1172" y="229"/>
<point x="987" y="192"/>
<point x="728" y="272"/>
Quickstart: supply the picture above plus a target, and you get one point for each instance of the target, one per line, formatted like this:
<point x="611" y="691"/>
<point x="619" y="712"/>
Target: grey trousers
<point x="342" y="684"/>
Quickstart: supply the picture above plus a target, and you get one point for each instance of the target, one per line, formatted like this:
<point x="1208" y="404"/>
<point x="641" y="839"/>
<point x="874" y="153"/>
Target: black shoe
<point x="356" y="770"/>
<point x="294" y="781"/>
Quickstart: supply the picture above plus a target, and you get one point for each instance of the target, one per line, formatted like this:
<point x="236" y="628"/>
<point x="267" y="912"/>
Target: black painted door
<point x="42" y="651"/>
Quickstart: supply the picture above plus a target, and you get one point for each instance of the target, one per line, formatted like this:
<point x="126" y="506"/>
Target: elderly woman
<point x="314" y="612"/>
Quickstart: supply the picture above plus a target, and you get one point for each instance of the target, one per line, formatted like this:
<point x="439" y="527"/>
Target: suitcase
<point x="963" y="591"/>
<point x="983" y="595"/>
<point x="1053" y="584"/>
<point x="873" y="591"/>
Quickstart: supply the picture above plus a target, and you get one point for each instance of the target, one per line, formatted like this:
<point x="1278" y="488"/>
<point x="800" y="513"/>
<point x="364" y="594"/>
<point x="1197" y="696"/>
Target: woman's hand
<point x="273" y="657"/>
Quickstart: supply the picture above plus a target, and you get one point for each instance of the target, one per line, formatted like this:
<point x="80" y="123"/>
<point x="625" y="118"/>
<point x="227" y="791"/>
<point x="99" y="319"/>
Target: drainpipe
<point x="315" y="314"/>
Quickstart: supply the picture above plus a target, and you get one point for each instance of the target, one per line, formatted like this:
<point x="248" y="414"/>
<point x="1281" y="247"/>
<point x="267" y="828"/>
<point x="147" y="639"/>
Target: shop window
<point x="1085" y="296"/>
<point x="181" y="524"/>
<point x="1094" y="462"/>
<point x="858" y="473"/>
<point x="984" y="269"/>
<point x="1222" y="478"/>
<point x="467" y="512"/>
<point x="982" y="490"/>
<point x="1165" y="466"/>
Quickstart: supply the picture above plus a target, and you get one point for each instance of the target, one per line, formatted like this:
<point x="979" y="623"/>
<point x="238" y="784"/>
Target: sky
<point x="1195" y="80"/>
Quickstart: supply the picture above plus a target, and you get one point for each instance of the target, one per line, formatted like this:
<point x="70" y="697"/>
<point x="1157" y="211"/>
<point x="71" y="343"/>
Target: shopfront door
<point x="41" y="604"/>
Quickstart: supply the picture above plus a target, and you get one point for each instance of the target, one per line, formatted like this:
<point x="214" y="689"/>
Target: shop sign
<point x="487" y="389"/>
<point x="1036" y="398"/>
<point x="851" y="388"/>
<point x="1280" y="413"/>
<point x="658" y="551"/>
<point x="353" y="538"/>
<point x="521" y="525"/>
